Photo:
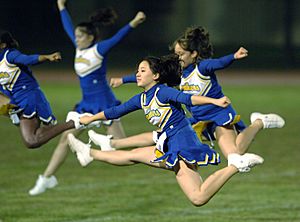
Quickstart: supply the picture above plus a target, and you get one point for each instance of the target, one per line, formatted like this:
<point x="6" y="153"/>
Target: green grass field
<point x="102" y="192"/>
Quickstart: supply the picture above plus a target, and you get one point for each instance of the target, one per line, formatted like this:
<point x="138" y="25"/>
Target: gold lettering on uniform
<point x="187" y="87"/>
<point x="4" y="75"/>
<point x="153" y="113"/>
<point x="82" y="60"/>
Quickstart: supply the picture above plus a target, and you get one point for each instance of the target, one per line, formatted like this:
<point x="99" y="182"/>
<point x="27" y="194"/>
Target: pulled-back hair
<point x="100" y="18"/>
<point x="168" y="67"/>
<point x="7" y="38"/>
<point x="195" y="39"/>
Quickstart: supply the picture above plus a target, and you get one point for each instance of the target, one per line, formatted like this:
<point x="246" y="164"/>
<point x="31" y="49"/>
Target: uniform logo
<point x="4" y="75"/>
<point x="187" y="87"/>
<point x="82" y="60"/>
<point x="153" y="113"/>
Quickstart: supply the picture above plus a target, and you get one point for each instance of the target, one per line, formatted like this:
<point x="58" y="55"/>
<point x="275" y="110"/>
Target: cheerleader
<point x="178" y="148"/>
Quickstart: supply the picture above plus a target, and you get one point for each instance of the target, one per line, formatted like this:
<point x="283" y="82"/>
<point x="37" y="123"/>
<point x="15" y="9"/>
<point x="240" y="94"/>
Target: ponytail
<point x="100" y="18"/>
<point x="195" y="39"/>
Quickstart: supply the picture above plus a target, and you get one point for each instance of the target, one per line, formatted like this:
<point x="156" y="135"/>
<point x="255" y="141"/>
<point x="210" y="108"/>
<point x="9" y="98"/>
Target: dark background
<point x="269" y="29"/>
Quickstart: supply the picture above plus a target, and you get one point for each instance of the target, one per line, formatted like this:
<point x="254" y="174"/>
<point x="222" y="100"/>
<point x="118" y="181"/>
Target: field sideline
<point x="102" y="192"/>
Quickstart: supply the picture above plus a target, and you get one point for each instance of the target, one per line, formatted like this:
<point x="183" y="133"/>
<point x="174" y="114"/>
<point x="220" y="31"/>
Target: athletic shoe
<point x="82" y="150"/>
<point x="269" y="120"/>
<point x="101" y="140"/>
<point x="43" y="183"/>
<point x="245" y="162"/>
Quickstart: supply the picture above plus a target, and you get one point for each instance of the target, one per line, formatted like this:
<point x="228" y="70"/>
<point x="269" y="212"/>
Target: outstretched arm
<point x="104" y="46"/>
<point x="17" y="57"/>
<point x="116" y="82"/>
<point x="210" y="65"/>
<point x="114" y="112"/>
<point x="200" y="100"/>
<point x="170" y="94"/>
<point x="88" y="119"/>
<point x="54" y="57"/>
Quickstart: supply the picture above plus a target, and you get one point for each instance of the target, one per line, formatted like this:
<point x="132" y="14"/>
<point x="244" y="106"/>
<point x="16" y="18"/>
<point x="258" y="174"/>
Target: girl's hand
<point x="138" y="19"/>
<point x="61" y="4"/>
<point x="116" y="82"/>
<point x="223" y="102"/>
<point x="241" y="53"/>
<point x="85" y="120"/>
<point x="54" y="57"/>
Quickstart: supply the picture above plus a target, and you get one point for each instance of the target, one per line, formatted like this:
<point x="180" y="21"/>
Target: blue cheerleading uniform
<point x="162" y="108"/>
<point x="200" y="79"/>
<point x="19" y="84"/>
<point x="90" y="67"/>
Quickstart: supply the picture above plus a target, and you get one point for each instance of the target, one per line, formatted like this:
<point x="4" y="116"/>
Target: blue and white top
<point x="200" y="79"/>
<point x="19" y="84"/>
<point x="90" y="66"/>
<point x="162" y="108"/>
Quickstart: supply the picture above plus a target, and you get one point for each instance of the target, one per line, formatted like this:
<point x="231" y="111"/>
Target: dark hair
<point x="7" y="38"/>
<point x="195" y="39"/>
<point x="101" y="17"/>
<point x="168" y="67"/>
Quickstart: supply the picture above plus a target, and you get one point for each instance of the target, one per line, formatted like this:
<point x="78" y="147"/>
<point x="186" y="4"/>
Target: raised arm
<point x="210" y="65"/>
<point x="105" y="45"/>
<point x="66" y="20"/>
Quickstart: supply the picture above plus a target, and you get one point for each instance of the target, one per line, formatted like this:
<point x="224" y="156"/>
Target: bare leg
<point x="229" y="142"/>
<point x="140" y="140"/>
<point x="60" y="153"/>
<point x="197" y="191"/>
<point x="34" y="135"/>
<point x="226" y="138"/>
<point x="124" y="158"/>
<point x="116" y="129"/>
<point x="245" y="138"/>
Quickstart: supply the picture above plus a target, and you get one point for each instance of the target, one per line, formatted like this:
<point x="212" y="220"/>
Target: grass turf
<point x="102" y="192"/>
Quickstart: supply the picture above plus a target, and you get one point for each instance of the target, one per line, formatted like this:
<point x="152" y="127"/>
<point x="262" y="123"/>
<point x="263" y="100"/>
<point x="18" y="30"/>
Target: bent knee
<point x="199" y="201"/>
<point x="32" y="143"/>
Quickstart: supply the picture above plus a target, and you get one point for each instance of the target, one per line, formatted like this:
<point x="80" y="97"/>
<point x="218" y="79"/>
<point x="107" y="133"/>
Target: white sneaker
<point x="101" y="140"/>
<point x="42" y="184"/>
<point x="245" y="162"/>
<point x="269" y="120"/>
<point x="82" y="150"/>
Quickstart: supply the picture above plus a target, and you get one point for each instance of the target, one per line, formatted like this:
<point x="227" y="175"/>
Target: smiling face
<point x="185" y="56"/>
<point x="83" y="40"/>
<point x="145" y="77"/>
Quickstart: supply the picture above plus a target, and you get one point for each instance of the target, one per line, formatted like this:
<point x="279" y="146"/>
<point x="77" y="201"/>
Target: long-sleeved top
<point x="15" y="76"/>
<point x="161" y="105"/>
<point x="19" y="84"/>
<point x="90" y="63"/>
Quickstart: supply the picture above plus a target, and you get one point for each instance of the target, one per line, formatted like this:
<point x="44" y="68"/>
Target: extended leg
<point x="197" y="191"/>
<point x="34" y="135"/>
<point x="116" y="129"/>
